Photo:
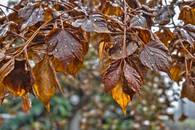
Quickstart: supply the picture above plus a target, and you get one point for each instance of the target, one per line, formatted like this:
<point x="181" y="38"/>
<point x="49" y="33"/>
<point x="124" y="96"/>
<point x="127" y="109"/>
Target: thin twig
<point x="30" y="39"/>
<point x="190" y="54"/>
<point x="9" y="8"/>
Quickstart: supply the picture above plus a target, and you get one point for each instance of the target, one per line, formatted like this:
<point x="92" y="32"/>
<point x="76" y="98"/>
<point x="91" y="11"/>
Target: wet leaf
<point x="120" y="97"/>
<point x="133" y="78"/>
<point x="19" y="81"/>
<point x="155" y="56"/>
<point x="45" y="81"/>
<point x="187" y="14"/>
<point x="111" y="75"/>
<point x="67" y="49"/>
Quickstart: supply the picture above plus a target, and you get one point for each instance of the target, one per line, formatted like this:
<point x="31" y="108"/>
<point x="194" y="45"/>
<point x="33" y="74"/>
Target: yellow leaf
<point x="26" y="103"/>
<point x="2" y="93"/>
<point x="101" y="49"/>
<point x="45" y="81"/>
<point x="120" y="97"/>
<point x="175" y="73"/>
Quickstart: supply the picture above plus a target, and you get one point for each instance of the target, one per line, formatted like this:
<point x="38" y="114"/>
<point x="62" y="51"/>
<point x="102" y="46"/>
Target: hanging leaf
<point x="120" y="97"/>
<point x="155" y="56"/>
<point x="19" y="81"/>
<point x="46" y="81"/>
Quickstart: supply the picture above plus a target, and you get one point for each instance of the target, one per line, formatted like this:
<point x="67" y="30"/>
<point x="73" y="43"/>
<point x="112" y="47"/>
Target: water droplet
<point x="152" y="53"/>
<point x="56" y="50"/>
